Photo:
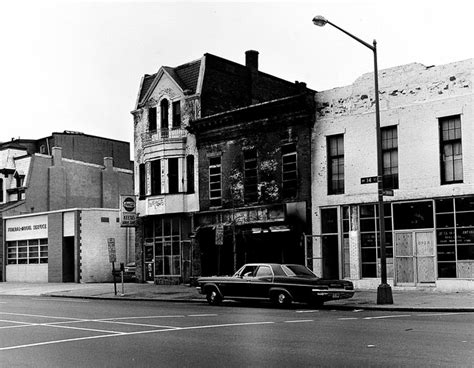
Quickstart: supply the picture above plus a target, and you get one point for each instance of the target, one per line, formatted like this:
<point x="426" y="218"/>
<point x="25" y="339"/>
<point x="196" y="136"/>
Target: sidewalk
<point x="404" y="300"/>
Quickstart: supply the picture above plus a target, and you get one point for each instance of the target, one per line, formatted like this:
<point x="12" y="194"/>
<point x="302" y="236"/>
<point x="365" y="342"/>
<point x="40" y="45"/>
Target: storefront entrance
<point x="414" y="258"/>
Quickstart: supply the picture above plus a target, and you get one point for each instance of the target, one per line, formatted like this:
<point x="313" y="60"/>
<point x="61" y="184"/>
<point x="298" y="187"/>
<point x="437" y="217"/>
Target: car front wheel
<point x="213" y="297"/>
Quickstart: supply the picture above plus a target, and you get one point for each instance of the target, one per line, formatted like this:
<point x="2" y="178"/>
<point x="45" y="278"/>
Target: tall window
<point x="167" y="246"/>
<point x="155" y="167"/>
<point x="1" y="190"/>
<point x="176" y="114"/>
<point x="451" y="150"/>
<point x="390" y="157"/>
<point x="289" y="170"/>
<point x="335" y="146"/>
<point x="369" y="237"/>
<point x="455" y="236"/>
<point x="215" y="181"/>
<point x="190" y="173"/>
<point x="152" y="119"/>
<point x="142" y="180"/>
<point x="173" y="175"/>
<point x="250" y="176"/>
<point x="164" y="114"/>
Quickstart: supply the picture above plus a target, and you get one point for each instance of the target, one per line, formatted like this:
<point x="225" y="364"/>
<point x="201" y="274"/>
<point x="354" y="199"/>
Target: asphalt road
<point x="56" y="332"/>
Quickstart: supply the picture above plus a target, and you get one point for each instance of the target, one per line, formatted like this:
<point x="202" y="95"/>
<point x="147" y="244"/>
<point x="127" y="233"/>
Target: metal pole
<point x="384" y="291"/>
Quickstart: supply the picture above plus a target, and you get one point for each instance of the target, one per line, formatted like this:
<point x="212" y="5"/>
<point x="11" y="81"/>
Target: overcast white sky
<point x="76" y="65"/>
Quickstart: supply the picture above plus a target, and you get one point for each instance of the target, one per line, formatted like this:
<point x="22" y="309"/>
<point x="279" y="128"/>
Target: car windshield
<point x="297" y="270"/>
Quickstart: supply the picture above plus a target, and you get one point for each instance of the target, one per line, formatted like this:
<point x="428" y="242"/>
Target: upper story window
<point x="176" y="114"/>
<point x="215" y="181"/>
<point x="450" y="150"/>
<point x="155" y="172"/>
<point x="173" y="175"/>
<point x="190" y="173"/>
<point x="142" y="180"/>
<point x="289" y="170"/>
<point x="164" y="114"/>
<point x="250" y="176"/>
<point x="152" y="119"/>
<point x="335" y="146"/>
<point x="390" y="157"/>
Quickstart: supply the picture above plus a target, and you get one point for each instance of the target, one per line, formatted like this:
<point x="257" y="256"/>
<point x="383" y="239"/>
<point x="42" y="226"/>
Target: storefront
<point x="227" y="239"/>
<point x="167" y="249"/>
<point x="429" y="243"/>
<point x="65" y="246"/>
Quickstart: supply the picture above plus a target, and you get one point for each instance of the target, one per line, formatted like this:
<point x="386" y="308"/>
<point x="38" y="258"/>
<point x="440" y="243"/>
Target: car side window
<point x="264" y="271"/>
<point x="249" y="271"/>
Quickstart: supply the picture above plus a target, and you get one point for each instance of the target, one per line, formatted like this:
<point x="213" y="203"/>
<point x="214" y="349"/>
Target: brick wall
<point x="96" y="227"/>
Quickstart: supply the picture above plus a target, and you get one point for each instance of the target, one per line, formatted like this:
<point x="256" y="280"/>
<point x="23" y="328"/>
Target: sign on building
<point x="128" y="210"/>
<point x="220" y="234"/>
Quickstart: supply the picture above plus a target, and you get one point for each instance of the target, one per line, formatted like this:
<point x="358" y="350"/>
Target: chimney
<point x="108" y="163"/>
<point x="251" y="59"/>
<point x="57" y="156"/>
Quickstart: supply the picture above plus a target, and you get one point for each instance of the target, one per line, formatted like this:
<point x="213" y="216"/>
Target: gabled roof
<point x="186" y="77"/>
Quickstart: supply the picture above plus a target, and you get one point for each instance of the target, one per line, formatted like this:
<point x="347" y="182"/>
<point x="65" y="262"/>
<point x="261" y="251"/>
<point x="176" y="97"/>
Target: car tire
<point x="213" y="297"/>
<point x="281" y="298"/>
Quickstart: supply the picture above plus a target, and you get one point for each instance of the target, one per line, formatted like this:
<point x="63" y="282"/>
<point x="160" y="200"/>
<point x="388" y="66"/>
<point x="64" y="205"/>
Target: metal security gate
<point x="414" y="258"/>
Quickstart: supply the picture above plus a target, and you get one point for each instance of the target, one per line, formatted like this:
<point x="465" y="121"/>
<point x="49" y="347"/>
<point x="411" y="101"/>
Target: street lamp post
<point x="384" y="291"/>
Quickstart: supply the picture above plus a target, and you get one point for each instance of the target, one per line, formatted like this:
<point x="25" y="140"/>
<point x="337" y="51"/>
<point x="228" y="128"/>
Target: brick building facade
<point x="169" y="181"/>
<point x="427" y="122"/>
<point x="43" y="197"/>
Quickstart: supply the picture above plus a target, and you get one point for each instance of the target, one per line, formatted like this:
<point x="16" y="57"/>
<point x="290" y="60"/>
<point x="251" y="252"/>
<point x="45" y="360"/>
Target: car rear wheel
<point x="281" y="298"/>
<point x="213" y="297"/>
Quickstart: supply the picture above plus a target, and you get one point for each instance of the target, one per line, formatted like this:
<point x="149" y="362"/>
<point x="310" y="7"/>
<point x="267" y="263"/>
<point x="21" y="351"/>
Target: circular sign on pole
<point x="129" y="204"/>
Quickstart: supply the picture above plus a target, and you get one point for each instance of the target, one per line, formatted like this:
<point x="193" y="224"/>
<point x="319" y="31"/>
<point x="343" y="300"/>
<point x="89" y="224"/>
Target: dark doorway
<point x="68" y="259"/>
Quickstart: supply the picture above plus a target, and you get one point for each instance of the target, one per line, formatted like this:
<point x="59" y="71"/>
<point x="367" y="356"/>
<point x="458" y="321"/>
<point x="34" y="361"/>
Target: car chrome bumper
<point x="334" y="293"/>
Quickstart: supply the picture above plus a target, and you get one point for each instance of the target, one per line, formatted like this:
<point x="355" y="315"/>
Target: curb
<point x="325" y="307"/>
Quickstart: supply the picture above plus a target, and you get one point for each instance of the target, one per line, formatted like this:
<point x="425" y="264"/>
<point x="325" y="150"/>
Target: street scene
<point x="54" y="332"/>
<point x="237" y="183"/>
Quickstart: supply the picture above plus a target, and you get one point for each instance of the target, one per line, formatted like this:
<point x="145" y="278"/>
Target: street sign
<point x="111" y="248"/>
<point x="368" y="180"/>
<point x="220" y="234"/>
<point x="387" y="192"/>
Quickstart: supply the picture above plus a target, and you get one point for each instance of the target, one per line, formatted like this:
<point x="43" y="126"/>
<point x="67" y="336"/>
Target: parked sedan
<point x="278" y="283"/>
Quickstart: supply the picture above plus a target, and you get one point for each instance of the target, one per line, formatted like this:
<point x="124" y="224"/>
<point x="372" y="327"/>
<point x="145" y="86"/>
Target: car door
<point x="240" y="287"/>
<point x="262" y="281"/>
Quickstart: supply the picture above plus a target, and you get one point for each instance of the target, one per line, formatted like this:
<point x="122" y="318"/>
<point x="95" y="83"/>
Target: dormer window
<point x="152" y="119"/>
<point x="164" y="114"/>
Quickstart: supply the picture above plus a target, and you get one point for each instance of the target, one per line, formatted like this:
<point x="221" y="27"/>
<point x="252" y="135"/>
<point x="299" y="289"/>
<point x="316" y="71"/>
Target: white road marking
<point x="137" y="317"/>
<point x="299" y="321"/>
<point x="81" y="328"/>
<point x="63" y="300"/>
<point x="307" y="311"/>
<point x="39" y="315"/>
<point x="135" y="324"/>
<point x="393" y="316"/>
<point x="202" y="315"/>
<point x="347" y="318"/>
<point x="116" y="334"/>
<point x="23" y="323"/>
<point x="440" y="314"/>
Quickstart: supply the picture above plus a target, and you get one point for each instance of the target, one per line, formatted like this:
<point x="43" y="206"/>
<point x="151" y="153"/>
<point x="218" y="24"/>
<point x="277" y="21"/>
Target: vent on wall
<point x="104" y="219"/>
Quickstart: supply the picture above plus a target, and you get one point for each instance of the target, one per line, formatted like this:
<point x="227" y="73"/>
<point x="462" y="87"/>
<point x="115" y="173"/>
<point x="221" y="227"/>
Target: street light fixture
<point x="384" y="291"/>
